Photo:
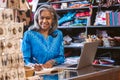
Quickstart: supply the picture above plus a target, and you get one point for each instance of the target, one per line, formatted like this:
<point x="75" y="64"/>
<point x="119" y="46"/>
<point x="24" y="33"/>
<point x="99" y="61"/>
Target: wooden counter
<point x="97" y="73"/>
<point x="87" y="73"/>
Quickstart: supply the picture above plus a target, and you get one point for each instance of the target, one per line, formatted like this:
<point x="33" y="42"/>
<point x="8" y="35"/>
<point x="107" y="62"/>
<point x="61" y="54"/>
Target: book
<point x="53" y="70"/>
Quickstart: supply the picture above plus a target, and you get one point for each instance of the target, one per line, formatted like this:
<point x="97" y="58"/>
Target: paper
<point x="75" y="45"/>
<point x="72" y="60"/>
<point x="46" y="71"/>
<point x="34" y="4"/>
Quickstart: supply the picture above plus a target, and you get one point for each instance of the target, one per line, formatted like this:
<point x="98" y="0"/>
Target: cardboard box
<point x="8" y="15"/>
<point x="3" y="3"/>
<point x="14" y="4"/>
<point x="24" y="16"/>
<point x="24" y="5"/>
<point x="1" y="15"/>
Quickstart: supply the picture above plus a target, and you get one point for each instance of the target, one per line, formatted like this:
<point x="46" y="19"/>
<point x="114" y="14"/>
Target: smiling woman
<point x="40" y="45"/>
<point x="45" y="21"/>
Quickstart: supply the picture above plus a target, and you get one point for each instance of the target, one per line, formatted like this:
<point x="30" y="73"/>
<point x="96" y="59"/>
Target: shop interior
<point x="80" y="21"/>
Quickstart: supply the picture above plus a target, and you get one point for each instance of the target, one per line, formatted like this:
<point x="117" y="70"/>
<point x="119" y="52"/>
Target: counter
<point x="87" y="73"/>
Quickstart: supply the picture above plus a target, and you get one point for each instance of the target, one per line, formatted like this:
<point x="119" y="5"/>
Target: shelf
<point x="109" y="47"/>
<point x="95" y="6"/>
<point x="74" y="45"/>
<point x="116" y="5"/>
<point x="64" y="1"/>
<point x="66" y="46"/>
<point x="83" y="8"/>
<point x="65" y="27"/>
<point x="70" y="46"/>
<point x="103" y="26"/>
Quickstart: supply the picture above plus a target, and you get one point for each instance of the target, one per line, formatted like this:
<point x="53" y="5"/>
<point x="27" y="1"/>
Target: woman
<point x="42" y="44"/>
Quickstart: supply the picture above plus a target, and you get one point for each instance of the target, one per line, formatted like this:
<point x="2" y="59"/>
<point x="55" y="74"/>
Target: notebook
<point x="87" y="55"/>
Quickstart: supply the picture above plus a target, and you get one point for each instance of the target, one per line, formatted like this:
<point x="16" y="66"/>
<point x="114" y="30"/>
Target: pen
<point x="37" y="62"/>
<point x="42" y="66"/>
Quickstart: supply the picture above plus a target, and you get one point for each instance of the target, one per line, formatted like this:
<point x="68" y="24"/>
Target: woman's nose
<point x="44" y="20"/>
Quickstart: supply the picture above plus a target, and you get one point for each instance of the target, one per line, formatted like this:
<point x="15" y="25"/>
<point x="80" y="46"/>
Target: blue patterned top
<point x="38" y="49"/>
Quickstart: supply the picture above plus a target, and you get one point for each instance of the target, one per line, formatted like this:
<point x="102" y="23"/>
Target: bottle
<point x="106" y="42"/>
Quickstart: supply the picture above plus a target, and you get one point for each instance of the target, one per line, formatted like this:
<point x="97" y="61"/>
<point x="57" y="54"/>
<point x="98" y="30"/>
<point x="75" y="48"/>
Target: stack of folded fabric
<point x="67" y="17"/>
<point x="79" y="4"/>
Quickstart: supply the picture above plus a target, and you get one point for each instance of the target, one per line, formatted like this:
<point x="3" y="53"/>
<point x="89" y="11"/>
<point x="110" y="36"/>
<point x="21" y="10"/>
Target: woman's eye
<point x="41" y="18"/>
<point x="48" y="18"/>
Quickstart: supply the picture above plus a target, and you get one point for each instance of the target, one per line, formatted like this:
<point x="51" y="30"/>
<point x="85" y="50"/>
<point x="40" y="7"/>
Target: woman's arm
<point x="26" y="49"/>
<point x="60" y="57"/>
<point x="57" y="60"/>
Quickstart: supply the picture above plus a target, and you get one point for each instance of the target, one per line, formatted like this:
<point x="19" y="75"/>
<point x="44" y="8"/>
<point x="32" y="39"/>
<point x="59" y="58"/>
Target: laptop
<point x="87" y="55"/>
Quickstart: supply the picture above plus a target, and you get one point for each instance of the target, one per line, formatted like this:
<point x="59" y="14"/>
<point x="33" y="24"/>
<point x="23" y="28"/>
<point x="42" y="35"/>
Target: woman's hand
<point x="38" y="67"/>
<point x="48" y="64"/>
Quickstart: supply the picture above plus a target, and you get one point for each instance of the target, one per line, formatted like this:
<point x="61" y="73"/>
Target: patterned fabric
<point x="38" y="49"/>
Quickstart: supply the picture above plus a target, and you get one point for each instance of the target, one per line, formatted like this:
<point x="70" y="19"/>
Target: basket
<point x="29" y="71"/>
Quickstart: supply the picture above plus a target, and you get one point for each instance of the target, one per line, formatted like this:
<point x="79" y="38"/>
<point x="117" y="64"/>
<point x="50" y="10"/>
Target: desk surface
<point x="87" y="73"/>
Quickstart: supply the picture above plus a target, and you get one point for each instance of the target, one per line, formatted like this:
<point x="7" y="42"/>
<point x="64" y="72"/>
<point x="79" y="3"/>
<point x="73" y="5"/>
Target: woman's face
<point x="45" y="20"/>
